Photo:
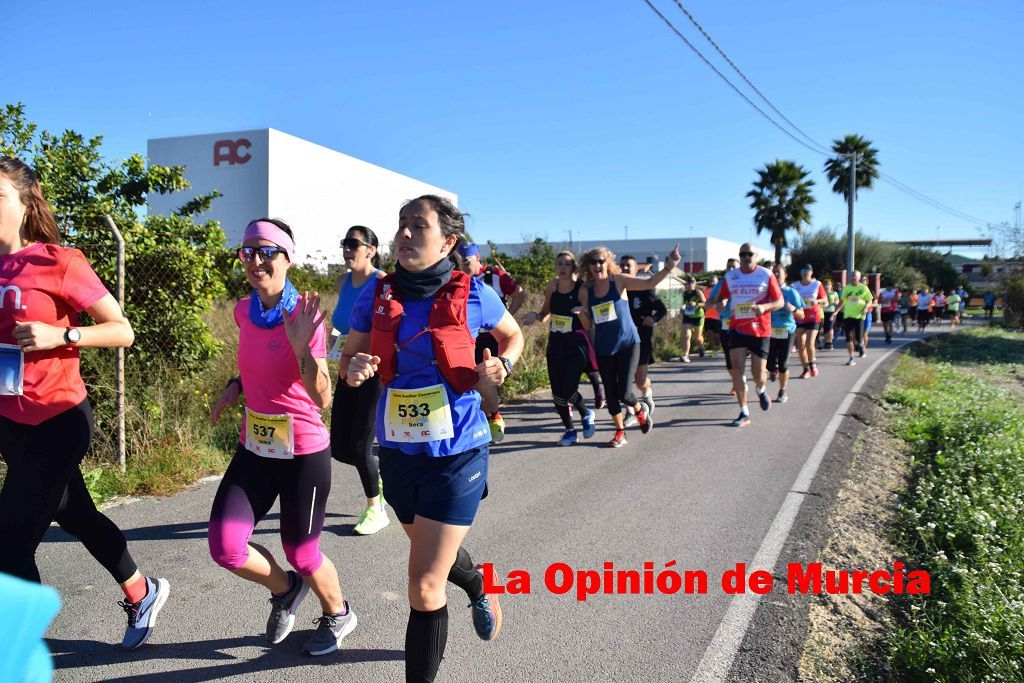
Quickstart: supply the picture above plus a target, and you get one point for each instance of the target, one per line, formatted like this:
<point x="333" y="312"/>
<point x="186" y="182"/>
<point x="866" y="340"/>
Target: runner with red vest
<point x="753" y="293"/>
<point x="813" y="295"/>
<point x="416" y="330"/>
<point x="513" y="297"/>
<point x="46" y="422"/>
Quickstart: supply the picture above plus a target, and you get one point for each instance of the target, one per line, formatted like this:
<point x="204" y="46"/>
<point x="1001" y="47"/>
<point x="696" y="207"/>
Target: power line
<point x="753" y="87"/>
<point x="817" y="147"/>
<point x="728" y="82"/>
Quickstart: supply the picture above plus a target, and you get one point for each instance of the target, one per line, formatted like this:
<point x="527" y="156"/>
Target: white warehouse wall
<point x="244" y="184"/>
<point x="318" y="191"/>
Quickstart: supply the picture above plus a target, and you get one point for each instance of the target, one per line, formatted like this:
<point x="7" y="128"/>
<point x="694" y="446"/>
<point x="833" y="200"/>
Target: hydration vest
<point x="453" y="345"/>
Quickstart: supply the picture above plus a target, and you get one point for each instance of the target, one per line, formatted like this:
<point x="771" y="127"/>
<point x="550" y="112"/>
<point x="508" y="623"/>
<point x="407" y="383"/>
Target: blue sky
<point x="550" y="116"/>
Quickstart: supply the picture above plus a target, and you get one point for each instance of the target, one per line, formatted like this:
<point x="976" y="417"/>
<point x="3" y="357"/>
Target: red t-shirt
<point x="758" y="286"/>
<point x="48" y="284"/>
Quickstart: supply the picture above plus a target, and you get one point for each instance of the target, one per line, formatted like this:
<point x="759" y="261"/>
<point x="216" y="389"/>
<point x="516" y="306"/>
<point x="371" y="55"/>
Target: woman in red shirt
<point x="45" y="418"/>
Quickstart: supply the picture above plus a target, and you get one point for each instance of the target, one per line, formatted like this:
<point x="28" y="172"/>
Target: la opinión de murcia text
<point x="667" y="579"/>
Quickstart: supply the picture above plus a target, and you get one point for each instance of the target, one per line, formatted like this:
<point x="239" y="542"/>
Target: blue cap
<point x="468" y="249"/>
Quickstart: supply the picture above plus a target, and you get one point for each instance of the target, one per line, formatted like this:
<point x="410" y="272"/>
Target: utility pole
<point x="849" y="217"/>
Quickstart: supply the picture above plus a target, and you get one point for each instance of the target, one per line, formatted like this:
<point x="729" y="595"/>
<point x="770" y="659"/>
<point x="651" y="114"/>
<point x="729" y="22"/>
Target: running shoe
<point x="486" y="611"/>
<point x="766" y="401"/>
<point x="373" y="519"/>
<point x="686" y="359"/>
<point x="814" y="370"/>
<point x="142" y="614"/>
<point x="806" y="373"/>
<point x="851" y="361"/>
<point x="619" y="440"/>
<point x="331" y="629"/>
<point x="497" y="424"/>
<point x="645" y="419"/>
<point x="588" y="425"/>
<point x="568" y="439"/>
<point x="282" y="612"/>
<point x="630" y="420"/>
<point x="783" y="396"/>
<point x="741" y="421"/>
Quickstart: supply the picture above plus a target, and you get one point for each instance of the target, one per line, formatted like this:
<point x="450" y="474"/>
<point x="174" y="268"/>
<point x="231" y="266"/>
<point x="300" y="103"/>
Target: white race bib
<point x="418" y="415"/>
<point x="780" y="333"/>
<point x="743" y="311"/>
<point x="339" y="344"/>
<point x="12" y="370"/>
<point x="269" y="436"/>
<point x="561" y="323"/>
<point x="604" y="313"/>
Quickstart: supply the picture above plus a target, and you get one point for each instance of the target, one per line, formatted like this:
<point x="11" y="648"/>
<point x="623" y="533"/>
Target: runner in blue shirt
<point x="783" y="326"/>
<point x="416" y="329"/>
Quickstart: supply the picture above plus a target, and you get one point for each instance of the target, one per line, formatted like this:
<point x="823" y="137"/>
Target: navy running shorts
<point x="446" y="489"/>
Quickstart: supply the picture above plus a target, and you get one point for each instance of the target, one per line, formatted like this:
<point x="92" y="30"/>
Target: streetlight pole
<point x="849" y="216"/>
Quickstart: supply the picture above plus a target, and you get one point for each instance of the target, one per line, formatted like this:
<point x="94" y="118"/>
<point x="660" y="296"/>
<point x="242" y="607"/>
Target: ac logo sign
<point x="231" y="151"/>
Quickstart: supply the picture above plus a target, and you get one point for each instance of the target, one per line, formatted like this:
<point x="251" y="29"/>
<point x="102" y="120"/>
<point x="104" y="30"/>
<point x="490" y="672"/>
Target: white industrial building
<point x="698" y="253"/>
<point x="318" y="191"/>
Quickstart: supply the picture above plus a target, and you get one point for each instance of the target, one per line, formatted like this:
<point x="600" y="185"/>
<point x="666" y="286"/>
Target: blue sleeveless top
<point x="347" y="300"/>
<point x="612" y="336"/>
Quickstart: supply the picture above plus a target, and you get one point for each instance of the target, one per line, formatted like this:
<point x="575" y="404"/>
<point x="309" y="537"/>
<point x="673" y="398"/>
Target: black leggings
<point x="353" y="424"/>
<point x="566" y="362"/>
<point x="617" y="374"/>
<point x="725" y="347"/>
<point x="778" y="354"/>
<point x="44" y="484"/>
<point x="248" y="491"/>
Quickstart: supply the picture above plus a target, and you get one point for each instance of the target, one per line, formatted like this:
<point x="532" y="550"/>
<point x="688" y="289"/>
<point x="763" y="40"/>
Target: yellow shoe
<point x="497" y="424"/>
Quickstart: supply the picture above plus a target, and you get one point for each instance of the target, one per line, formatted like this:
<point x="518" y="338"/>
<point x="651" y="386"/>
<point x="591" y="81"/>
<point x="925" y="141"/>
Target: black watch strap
<point x="509" y="367"/>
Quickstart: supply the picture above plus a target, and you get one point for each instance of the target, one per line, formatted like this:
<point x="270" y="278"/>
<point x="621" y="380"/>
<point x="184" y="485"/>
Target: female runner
<point x="284" y="449"/>
<point x="416" y="329"/>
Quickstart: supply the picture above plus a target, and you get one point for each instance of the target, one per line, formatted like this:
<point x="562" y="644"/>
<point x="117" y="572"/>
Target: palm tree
<point x="781" y="199"/>
<point x="838" y="167"/>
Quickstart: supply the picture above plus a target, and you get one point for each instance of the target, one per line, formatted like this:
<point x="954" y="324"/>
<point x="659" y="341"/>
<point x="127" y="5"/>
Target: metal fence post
<point x="119" y="380"/>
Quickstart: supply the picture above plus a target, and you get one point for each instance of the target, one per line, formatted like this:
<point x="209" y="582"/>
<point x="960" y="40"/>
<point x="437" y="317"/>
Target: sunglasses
<point x="597" y="262"/>
<point x="746" y="253"/>
<point x="353" y="243"/>
<point x="247" y="254"/>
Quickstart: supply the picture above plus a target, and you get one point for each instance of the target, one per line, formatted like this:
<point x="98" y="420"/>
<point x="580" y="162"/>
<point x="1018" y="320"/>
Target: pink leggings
<point x="248" y="491"/>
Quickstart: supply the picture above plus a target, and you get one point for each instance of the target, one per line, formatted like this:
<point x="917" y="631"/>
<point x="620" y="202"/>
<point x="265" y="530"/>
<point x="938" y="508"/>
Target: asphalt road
<point x="694" y="490"/>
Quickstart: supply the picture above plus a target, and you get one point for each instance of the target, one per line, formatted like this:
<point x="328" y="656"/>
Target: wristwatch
<point x="72" y="335"/>
<point x="507" y="364"/>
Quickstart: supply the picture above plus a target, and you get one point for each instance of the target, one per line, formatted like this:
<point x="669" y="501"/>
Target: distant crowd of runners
<point x="421" y="353"/>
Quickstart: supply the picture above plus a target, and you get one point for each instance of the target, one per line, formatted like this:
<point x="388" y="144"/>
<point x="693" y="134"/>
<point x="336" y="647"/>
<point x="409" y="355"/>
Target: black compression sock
<point x="579" y="404"/>
<point x="563" y="412"/>
<point x="463" y="575"/>
<point x="425" y="638"/>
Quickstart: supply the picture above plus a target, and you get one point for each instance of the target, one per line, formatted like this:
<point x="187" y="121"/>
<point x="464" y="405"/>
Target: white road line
<point x="718" y="657"/>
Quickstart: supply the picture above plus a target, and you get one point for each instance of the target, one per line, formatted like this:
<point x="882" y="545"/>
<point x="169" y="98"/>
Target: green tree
<point x="534" y="269"/>
<point x="171" y="262"/>
<point x="781" y="200"/>
<point x="837" y="168"/>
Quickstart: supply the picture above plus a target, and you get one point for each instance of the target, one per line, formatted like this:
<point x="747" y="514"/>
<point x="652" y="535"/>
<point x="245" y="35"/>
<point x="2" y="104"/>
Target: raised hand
<point x="307" y="318"/>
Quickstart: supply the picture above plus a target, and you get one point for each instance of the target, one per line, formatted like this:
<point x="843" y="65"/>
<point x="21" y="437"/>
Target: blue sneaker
<point x="486" y="611"/>
<point x="588" y="425"/>
<point x="142" y="614"/>
<point x="568" y="439"/>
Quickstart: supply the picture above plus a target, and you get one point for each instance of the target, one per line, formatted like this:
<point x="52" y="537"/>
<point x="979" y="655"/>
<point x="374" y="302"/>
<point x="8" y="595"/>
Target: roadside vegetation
<point x="957" y="404"/>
